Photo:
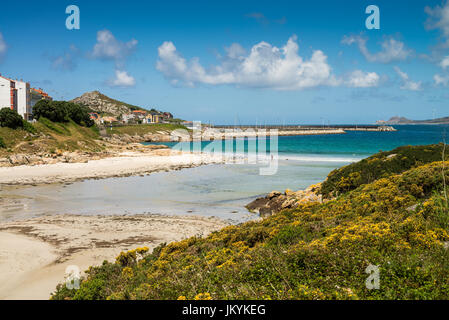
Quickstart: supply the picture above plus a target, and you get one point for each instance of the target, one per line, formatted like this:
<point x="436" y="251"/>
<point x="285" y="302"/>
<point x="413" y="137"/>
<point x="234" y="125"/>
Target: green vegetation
<point x="45" y="136"/>
<point x="396" y="218"/>
<point x="379" y="165"/>
<point x="10" y="118"/>
<point x="62" y="111"/>
<point x="143" y="129"/>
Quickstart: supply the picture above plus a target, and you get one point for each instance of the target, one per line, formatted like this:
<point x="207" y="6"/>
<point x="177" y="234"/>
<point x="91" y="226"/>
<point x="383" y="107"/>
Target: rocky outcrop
<point x="98" y="102"/>
<point x="276" y="201"/>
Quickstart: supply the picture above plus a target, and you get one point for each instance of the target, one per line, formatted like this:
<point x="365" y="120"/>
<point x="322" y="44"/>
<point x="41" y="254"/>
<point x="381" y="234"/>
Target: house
<point x="148" y="119"/>
<point x="108" y="119"/>
<point x="156" y="117"/>
<point x="140" y="114"/>
<point x="128" y="117"/>
<point x="94" y="116"/>
<point x="167" y="115"/>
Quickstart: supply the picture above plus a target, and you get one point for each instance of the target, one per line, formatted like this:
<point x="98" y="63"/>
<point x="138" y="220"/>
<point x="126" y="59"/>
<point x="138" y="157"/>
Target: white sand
<point x="35" y="253"/>
<point x="130" y="163"/>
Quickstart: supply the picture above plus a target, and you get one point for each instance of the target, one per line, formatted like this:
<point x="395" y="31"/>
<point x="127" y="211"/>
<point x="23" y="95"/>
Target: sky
<point x="238" y="62"/>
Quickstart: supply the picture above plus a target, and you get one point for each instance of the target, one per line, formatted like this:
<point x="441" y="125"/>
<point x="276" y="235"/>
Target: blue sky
<point x="238" y="61"/>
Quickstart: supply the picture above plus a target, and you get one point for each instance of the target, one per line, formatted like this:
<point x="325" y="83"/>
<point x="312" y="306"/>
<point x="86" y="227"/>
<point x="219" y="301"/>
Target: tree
<point x="63" y="111"/>
<point x="10" y="118"/>
<point x="55" y="111"/>
<point x="79" y="114"/>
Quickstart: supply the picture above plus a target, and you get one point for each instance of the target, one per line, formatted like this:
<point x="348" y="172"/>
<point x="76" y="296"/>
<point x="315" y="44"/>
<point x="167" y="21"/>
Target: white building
<point x="8" y="93"/>
<point x="23" y="100"/>
<point x="18" y="96"/>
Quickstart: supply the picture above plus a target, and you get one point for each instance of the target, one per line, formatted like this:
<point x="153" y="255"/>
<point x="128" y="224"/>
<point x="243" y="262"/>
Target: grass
<point x="142" y="129"/>
<point x="46" y="136"/>
<point x="398" y="221"/>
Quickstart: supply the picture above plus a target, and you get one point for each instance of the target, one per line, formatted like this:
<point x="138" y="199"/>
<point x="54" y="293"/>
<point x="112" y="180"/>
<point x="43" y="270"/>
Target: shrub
<point x="380" y="165"/>
<point x="10" y="118"/>
<point x="2" y="143"/>
<point x="399" y="222"/>
<point x="29" y="127"/>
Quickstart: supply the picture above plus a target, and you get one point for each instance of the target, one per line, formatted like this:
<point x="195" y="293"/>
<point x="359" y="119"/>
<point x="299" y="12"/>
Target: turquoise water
<point x="352" y="145"/>
<point x="213" y="190"/>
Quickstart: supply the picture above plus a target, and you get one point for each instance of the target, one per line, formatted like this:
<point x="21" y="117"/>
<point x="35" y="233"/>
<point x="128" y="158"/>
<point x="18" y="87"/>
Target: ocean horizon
<point x="214" y="190"/>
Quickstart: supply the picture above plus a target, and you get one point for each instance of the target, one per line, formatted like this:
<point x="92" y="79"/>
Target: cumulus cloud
<point x="392" y="50"/>
<point x="360" y="79"/>
<point x="66" y="61"/>
<point x="445" y="62"/>
<point x="122" y="79"/>
<point x="441" y="80"/>
<point x="438" y="18"/>
<point x="3" y="46"/>
<point x="407" y="84"/>
<point x="109" y="48"/>
<point x="265" y="66"/>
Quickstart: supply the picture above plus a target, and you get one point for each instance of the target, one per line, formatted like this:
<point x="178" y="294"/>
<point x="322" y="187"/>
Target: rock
<point x="275" y="201"/>
<point x="273" y="194"/>
<point x="4" y="162"/>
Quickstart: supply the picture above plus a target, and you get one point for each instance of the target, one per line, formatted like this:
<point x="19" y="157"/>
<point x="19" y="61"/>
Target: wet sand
<point x="35" y="253"/>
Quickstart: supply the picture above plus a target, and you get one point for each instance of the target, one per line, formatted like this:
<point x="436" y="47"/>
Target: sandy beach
<point x="35" y="253"/>
<point x="122" y="165"/>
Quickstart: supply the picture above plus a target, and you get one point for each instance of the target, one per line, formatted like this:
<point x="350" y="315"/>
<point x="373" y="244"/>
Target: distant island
<point x="403" y="120"/>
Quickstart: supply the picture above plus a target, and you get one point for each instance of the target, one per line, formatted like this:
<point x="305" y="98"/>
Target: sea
<point x="219" y="190"/>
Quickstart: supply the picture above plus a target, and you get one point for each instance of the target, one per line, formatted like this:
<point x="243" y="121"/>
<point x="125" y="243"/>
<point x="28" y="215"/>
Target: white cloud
<point x="445" y="62"/>
<point x="360" y="79"/>
<point x="3" y="46"/>
<point x="392" y="50"/>
<point x="441" y="80"/>
<point x="109" y="48"/>
<point x="265" y="66"/>
<point x="122" y="79"/>
<point x="439" y="19"/>
<point x="407" y="84"/>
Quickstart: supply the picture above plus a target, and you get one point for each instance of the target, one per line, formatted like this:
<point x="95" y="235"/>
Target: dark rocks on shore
<point x="276" y="201"/>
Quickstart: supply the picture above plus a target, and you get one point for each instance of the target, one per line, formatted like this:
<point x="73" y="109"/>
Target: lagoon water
<point x="212" y="190"/>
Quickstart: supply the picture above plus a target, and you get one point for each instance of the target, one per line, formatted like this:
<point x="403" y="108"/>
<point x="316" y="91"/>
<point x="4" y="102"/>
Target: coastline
<point x="36" y="252"/>
<point x="122" y="165"/>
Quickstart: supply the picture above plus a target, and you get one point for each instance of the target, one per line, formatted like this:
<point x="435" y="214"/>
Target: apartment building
<point x="17" y="95"/>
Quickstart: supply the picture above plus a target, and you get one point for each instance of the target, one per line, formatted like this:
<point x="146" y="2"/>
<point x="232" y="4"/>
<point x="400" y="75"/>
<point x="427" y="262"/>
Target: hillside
<point x="49" y="142"/>
<point x="102" y="104"/>
<point x="403" y="120"/>
<point x="397" y="219"/>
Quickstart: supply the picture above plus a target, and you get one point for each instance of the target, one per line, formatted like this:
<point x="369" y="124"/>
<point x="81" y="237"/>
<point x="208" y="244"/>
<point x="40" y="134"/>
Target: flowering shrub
<point x="399" y="222"/>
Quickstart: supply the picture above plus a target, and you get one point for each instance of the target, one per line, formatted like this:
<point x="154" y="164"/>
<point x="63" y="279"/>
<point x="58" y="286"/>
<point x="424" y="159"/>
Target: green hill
<point x="396" y="219"/>
<point x="49" y="137"/>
